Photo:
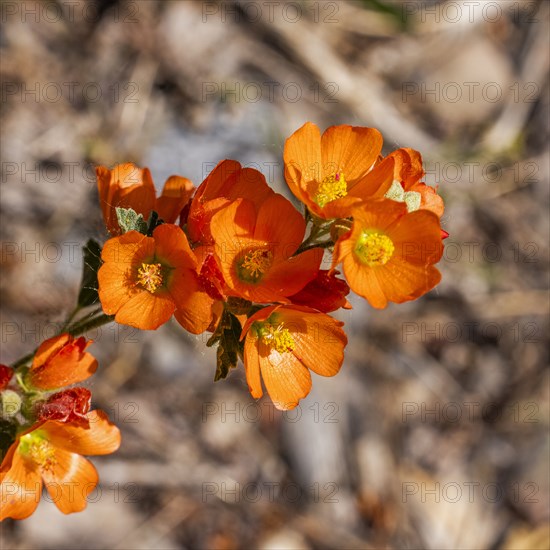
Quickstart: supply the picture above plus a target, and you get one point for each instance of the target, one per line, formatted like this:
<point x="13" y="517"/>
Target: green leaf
<point x="229" y="347"/>
<point x="226" y="360"/>
<point x="92" y="261"/>
<point x="130" y="220"/>
<point x="153" y="222"/>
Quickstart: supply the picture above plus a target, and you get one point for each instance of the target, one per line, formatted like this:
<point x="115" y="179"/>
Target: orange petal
<point x="140" y="198"/>
<point x="363" y="280"/>
<point x="232" y="229"/>
<point x="193" y="305"/>
<point x="408" y="166"/>
<point x="212" y="186"/>
<point x="402" y="281"/>
<point x="249" y="184"/>
<point x="50" y="347"/>
<point x="200" y="217"/>
<point x="117" y="276"/>
<point x="70" y="481"/>
<point x="252" y="366"/>
<point x="146" y="311"/>
<point x="226" y="183"/>
<point x="237" y="220"/>
<point x="105" y="190"/>
<point x="286" y="379"/>
<point x="319" y="339"/>
<point x="100" y="438"/>
<point x="430" y="200"/>
<point x="172" y="247"/>
<point x="116" y="286"/>
<point x="302" y="157"/>
<point x="376" y="183"/>
<point x="349" y="149"/>
<point x="21" y="486"/>
<point x="175" y="195"/>
<point x="128" y="187"/>
<point x="280" y="225"/>
<point x="67" y="366"/>
<point x="417" y="237"/>
<point x="290" y="276"/>
<point x="130" y="248"/>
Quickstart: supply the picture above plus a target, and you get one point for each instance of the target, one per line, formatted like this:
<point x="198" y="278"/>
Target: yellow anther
<point x="374" y="248"/>
<point x="331" y="188"/>
<point x="35" y="447"/>
<point x="150" y="276"/>
<point x="278" y="338"/>
<point x="254" y="265"/>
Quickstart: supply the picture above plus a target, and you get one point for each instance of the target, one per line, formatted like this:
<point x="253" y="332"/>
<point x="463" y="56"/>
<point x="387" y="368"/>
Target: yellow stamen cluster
<point x="331" y="188"/>
<point x="39" y="450"/>
<point x="278" y="338"/>
<point x="374" y="248"/>
<point x="150" y="276"/>
<point x="254" y="265"/>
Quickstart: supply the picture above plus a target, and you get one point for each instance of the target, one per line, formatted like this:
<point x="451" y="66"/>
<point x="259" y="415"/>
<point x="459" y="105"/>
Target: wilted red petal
<point x="211" y="278"/>
<point x="325" y="293"/>
<point x="71" y="405"/>
<point x="6" y="374"/>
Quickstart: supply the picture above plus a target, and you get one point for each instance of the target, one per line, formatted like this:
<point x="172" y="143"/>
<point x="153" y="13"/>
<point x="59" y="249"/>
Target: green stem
<point x="70" y="318"/>
<point x="23" y="361"/>
<point x="84" y="325"/>
<point x="76" y="329"/>
<point x="326" y="244"/>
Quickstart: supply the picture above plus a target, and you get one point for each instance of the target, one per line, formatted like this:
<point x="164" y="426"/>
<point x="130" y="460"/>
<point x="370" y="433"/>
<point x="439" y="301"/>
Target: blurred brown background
<point x="434" y="434"/>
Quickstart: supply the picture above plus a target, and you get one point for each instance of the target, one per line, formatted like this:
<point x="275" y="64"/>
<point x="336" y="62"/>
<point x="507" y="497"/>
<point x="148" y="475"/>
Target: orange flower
<point x="61" y="361"/>
<point x="284" y="343"/>
<point x="144" y="280"/>
<point x="49" y="453"/>
<point x="227" y="182"/>
<point x="128" y="186"/>
<point x="407" y="186"/>
<point x="388" y="254"/>
<point x="255" y="247"/>
<point x="329" y="173"/>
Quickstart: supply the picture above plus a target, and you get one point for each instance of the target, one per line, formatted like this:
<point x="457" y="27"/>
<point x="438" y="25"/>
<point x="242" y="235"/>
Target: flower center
<point x="150" y="276"/>
<point x="331" y="188"/>
<point x="374" y="248"/>
<point x="278" y="338"/>
<point x="39" y="450"/>
<point x="254" y="265"/>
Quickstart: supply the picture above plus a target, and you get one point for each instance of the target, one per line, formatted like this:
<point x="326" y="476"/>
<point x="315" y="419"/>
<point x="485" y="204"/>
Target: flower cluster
<point x="236" y="260"/>
<point x="51" y="426"/>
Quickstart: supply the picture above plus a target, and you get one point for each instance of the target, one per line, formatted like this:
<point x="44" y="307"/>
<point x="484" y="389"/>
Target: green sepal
<point x="89" y="285"/>
<point x="8" y="434"/>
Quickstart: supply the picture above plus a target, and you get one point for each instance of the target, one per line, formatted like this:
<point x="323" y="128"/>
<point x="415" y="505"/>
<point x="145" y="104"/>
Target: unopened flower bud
<point x="11" y="403"/>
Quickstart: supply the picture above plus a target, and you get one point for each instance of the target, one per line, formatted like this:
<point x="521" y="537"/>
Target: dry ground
<point x="434" y="434"/>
